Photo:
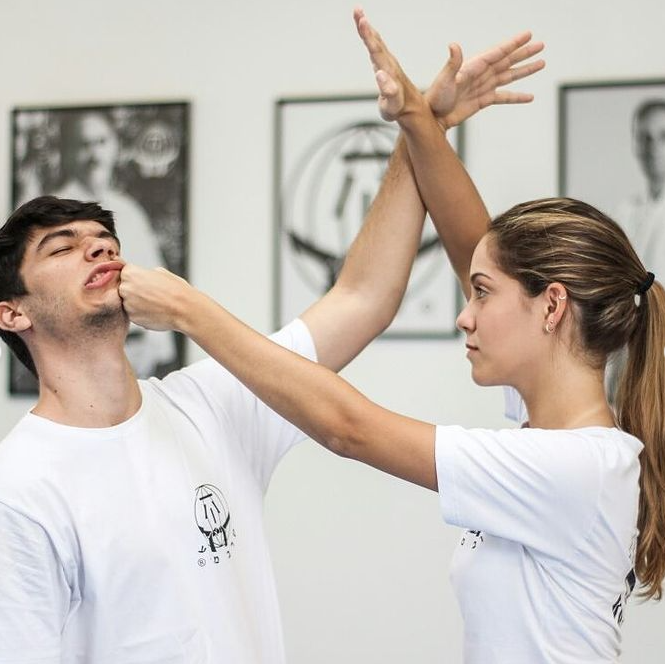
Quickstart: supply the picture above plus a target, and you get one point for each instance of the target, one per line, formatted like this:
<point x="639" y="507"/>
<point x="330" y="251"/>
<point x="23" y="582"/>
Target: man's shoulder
<point x="22" y="458"/>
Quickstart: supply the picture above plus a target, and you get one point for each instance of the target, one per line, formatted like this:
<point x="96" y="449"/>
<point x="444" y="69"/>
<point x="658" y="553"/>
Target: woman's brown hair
<point x="617" y="305"/>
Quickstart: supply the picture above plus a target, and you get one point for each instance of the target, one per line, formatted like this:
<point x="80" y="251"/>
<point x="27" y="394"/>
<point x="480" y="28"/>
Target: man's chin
<point x="109" y="318"/>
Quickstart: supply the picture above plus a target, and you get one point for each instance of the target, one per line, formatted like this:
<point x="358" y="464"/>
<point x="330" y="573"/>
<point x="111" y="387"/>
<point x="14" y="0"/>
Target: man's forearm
<point x="372" y="282"/>
<point x="379" y="261"/>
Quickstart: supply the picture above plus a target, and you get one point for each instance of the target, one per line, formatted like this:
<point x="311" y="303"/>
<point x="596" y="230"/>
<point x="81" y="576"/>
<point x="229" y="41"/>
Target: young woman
<point x="562" y="514"/>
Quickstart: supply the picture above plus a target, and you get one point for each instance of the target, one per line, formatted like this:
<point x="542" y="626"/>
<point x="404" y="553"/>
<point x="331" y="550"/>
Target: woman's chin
<point x="484" y="380"/>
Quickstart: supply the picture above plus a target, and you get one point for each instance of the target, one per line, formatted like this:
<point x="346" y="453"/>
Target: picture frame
<point x="131" y="158"/>
<point x="599" y="161"/>
<point x="330" y="155"/>
<point x="612" y="155"/>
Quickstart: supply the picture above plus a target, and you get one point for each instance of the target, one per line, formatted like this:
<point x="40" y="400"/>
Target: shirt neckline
<point x="68" y="430"/>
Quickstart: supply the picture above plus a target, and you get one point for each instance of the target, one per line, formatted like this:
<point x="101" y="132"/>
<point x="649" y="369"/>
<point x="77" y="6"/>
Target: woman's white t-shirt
<point x="546" y="561"/>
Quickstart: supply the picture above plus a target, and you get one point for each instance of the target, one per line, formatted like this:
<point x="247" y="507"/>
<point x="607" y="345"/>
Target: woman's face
<point x="505" y="335"/>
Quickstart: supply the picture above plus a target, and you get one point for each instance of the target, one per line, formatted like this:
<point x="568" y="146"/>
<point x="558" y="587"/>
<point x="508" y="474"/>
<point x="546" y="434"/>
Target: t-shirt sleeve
<point x="34" y="594"/>
<point x="533" y="486"/>
<point x="264" y="435"/>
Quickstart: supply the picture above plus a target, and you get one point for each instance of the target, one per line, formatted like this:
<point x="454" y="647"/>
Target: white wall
<point x="361" y="559"/>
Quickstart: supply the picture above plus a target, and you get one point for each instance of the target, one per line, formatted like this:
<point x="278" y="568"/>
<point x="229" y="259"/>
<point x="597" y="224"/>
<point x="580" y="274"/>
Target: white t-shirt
<point x="144" y="542"/>
<point x="545" y="565"/>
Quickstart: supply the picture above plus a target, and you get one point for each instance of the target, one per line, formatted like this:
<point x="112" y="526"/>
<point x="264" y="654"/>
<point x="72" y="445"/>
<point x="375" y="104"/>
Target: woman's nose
<point x="464" y="320"/>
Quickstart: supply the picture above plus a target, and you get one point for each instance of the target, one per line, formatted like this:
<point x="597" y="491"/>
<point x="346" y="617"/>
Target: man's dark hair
<point x="645" y="108"/>
<point x="41" y="212"/>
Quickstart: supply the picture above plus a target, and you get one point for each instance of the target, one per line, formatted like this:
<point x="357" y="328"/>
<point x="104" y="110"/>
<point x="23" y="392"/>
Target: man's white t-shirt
<point x="144" y="542"/>
<point x="546" y="561"/>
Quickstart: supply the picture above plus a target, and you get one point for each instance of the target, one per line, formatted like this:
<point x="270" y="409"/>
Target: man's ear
<point x="13" y="318"/>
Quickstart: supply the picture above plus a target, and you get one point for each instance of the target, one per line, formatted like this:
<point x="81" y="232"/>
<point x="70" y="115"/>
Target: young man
<point x="131" y="511"/>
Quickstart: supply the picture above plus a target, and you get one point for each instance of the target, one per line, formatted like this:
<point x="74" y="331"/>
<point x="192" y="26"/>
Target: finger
<point x="517" y="73"/>
<point x="508" y="97"/>
<point x="455" y="59"/>
<point x="368" y="34"/>
<point x="525" y="52"/>
<point x="497" y="53"/>
<point x="379" y="54"/>
<point x="387" y="86"/>
<point x="391" y="99"/>
<point x="511" y="51"/>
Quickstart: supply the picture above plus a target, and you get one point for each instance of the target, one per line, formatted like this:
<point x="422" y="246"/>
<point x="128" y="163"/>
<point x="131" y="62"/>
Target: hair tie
<point x="646" y="284"/>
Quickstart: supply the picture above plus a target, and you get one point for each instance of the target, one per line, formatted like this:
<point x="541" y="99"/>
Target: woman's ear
<point x="556" y="301"/>
<point x="13" y="318"/>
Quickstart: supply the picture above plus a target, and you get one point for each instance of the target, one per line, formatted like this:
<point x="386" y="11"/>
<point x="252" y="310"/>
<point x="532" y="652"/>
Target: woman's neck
<point x="570" y="396"/>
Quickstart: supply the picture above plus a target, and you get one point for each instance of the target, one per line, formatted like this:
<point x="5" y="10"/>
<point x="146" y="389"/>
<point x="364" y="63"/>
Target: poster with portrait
<point x="331" y="154"/>
<point x="612" y="155"/>
<point x="133" y="160"/>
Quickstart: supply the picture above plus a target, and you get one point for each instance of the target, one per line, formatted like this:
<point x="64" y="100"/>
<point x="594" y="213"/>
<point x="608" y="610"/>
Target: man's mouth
<point x="103" y="274"/>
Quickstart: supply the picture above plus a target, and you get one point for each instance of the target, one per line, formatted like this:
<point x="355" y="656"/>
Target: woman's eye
<point x="480" y="292"/>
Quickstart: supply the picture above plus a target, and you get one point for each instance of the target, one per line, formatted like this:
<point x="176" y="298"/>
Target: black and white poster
<point x="612" y="155"/>
<point x="331" y="154"/>
<point x="133" y="160"/>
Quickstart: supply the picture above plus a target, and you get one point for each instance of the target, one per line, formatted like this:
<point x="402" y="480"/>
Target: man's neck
<point x="87" y="389"/>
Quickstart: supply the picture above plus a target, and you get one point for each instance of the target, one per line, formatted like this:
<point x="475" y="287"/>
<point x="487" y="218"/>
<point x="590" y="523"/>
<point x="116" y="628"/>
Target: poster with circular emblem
<point x="331" y="154"/>
<point x="133" y="160"/>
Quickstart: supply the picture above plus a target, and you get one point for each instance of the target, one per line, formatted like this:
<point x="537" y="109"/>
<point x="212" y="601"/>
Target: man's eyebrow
<point x="72" y="234"/>
<point x="65" y="232"/>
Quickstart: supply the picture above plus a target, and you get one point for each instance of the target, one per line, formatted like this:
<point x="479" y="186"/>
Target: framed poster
<point x="612" y="155"/>
<point x="331" y="154"/>
<point x="133" y="160"/>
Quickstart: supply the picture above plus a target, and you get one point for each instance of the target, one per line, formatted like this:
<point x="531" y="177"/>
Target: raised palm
<point x="461" y="88"/>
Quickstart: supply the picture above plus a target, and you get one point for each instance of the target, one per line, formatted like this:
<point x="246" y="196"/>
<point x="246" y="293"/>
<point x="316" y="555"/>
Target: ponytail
<point x="641" y="412"/>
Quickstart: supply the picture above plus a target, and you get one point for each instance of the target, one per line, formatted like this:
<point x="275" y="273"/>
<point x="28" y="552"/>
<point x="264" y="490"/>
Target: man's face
<point x="71" y="273"/>
<point x="96" y="151"/>
<point x="650" y="145"/>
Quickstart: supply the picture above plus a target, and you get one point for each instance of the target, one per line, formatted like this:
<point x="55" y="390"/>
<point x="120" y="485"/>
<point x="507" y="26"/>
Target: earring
<point x="549" y="327"/>
<point x="561" y="297"/>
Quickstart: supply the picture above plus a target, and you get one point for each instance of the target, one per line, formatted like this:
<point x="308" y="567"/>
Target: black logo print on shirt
<point x="472" y="538"/>
<point x="213" y="518"/>
<point x="630" y="581"/>
<point x="617" y="607"/>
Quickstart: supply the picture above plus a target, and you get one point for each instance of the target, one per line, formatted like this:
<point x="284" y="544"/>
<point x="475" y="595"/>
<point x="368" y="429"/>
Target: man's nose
<point x="101" y="247"/>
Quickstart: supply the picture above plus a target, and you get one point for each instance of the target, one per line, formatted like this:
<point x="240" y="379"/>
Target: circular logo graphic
<point x="327" y="196"/>
<point x="212" y="516"/>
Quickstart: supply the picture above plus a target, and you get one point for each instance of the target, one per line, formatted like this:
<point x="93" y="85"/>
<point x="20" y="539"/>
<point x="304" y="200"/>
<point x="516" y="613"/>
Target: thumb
<point x="455" y="59"/>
